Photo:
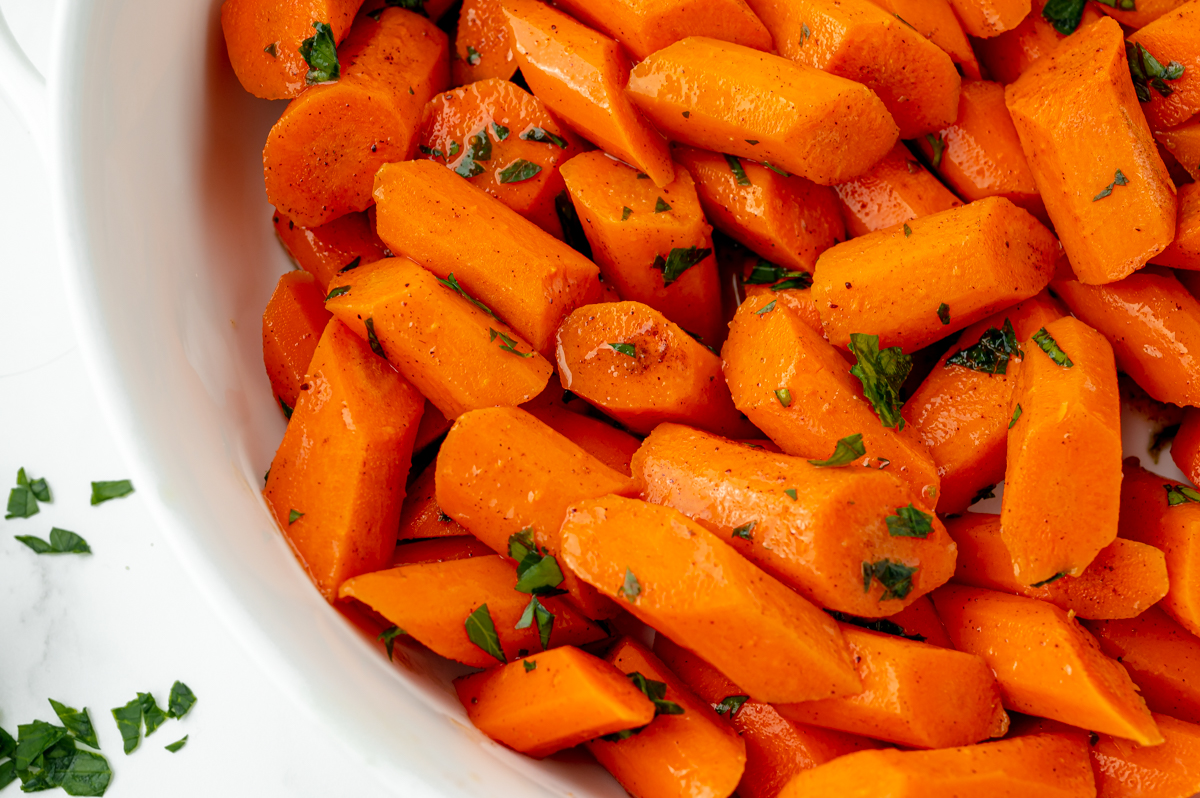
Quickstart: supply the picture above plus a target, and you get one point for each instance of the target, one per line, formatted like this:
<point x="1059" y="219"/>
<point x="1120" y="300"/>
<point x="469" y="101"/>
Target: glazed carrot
<point x="325" y="250"/>
<point x="1067" y="434"/>
<point x="433" y="601"/>
<point x="631" y="362"/>
<point x="1184" y="251"/>
<point x="1183" y="142"/>
<point x="1108" y="234"/>
<point x="322" y="154"/>
<point x="773" y="353"/>
<point x="433" y="426"/>
<point x="1162" y="658"/>
<point x="813" y="528"/>
<point x="644" y="28"/>
<point x="501" y="472"/>
<point x="416" y="552"/>
<point x="935" y="20"/>
<point x="292" y="324"/>
<point x="1143" y="13"/>
<point x="421" y="517"/>
<point x="685" y="755"/>
<point x="603" y="441"/>
<point x="1124" y="769"/>
<point x="527" y="277"/>
<point x="652" y="243"/>
<point x="335" y="484"/>
<point x="264" y="39"/>
<point x="803" y="134"/>
<point x="1185" y="449"/>
<point x="434" y="9"/>
<point x="787" y="220"/>
<point x="859" y="41"/>
<point x="1008" y="55"/>
<point x="920" y="621"/>
<point x="986" y="18"/>
<point x="1124" y="580"/>
<point x="553" y="701"/>
<point x="961" y="411"/>
<point x="914" y="284"/>
<point x="456" y="354"/>
<point x="1148" y="517"/>
<point x="897" y="189"/>
<point x="482" y="45"/>
<point x="684" y="581"/>
<point x="1046" y="662"/>
<point x="1153" y="324"/>
<point x="1173" y="37"/>
<point x="581" y="75"/>
<point x="798" y="300"/>
<point x="483" y="132"/>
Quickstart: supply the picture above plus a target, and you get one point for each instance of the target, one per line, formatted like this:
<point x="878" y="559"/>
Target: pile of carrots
<point x="648" y="356"/>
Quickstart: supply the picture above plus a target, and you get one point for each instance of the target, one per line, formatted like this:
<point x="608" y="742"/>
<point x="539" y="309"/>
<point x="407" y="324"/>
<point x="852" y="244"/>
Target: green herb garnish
<point x="319" y="51"/>
<point x="881" y="373"/>
<point x="895" y="577"/>
<point x="62" y="541"/>
<point x="1119" y="180"/>
<point x="679" y="261"/>
<point x="1181" y="494"/>
<point x="776" y="169"/>
<point x="1051" y="580"/>
<point x="129" y="723"/>
<point x="1064" y="15"/>
<point x="181" y="700"/>
<point x="1148" y="73"/>
<point x="152" y="715"/>
<point x="1048" y="345"/>
<point x="626" y="212"/>
<point x="544" y="136"/>
<point x="744" y="531"/>
<point x="791" y="492"/>
<point x="373" y="339"/>
<point x="530" y="664"/>
<point x="661" y="205"/>
<point x="939" y="147"/>
<point x="784" y="396"/>
<point x="730" y="705"/>
<point x="846" y="451"/>
<point x="351" y="266"/>
<point x="453" y="285"/>
<point x="804" y="33"/>
<point x="875" y="625"/>
<point x="1016" y="415"/>
<point x="500" y="131"/>
<point x="77" y="722"/>
<point x="631" y="588"/>
<point x="388" y="638"/>
<point x="479" y="148"/>
<point x="473" y="56"/>
<point x="992" y="353"/>
<point x="536" y="612"/>
<point x="739" y="172"/>
<point x="909" y="522"/>
<point x="907" y="230"/>
<point x="482" y="632"/>
<point x="175" y="746"/>
<point x="629" y="350"/>
<point x="943" y="313"/>
<point x="519" y="170"/>
<point x="506" y="343"/>
<point x="767" y="308"/>
<point x="23" y="499"/>
<point x="656" y="692"/>
<point x="272" y="49"/>
<point x="294" y="516"/>
<point x="337" y="292"/>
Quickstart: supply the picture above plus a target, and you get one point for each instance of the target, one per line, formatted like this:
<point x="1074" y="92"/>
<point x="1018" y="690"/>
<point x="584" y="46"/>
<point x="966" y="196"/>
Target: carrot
<point x="482" y="47"/>
<point x="914" y="284"/>
<point x="505" y="142"/>
<point x="325" y="250"/>
<point x="787" y="220"/>
<point x="554" y="701"/>
<point x="631" y="362"/>
<point x="693" y="753"/>
<point x="1183" y="142"/>
<point x="581" y="76"/>
<point x="1046" y="662"/>
<point x="1185" y="448"/>
<point x="772" y="355"/>
<point x="336" y="482"/>
<point x="421" y="517"/>
<point x="935" y="20"/>
<point x="652" y="243"/>
<point x="961" y="411"/>
<point x="292" y="324"/>
<point x="1124" y="769"/>
<point x="1143" y="13"/>
<point x="678" y="577"/>
<point x="802" y="133"/>
<point x="434" y="9"/>
<point x="603" y="441"/>
<point x="440" y="604"/>
<point x="417" y="552"/>
<point x="813" y="528"/>
<point x="1009" y="54"/>
<point x="1067" y="433"/>
<point x="913" y="694"/>
<point x="645" y="28"/>
<point x="525" y="276"/>
<point x="1184" y="251"/>
<point x="322" y="154"/>
<point x="433" y="426"/>
<point x="1124" y="580"/>
<point x="1153" y="325"/>
<point x="897" y="189"/>
<point x="986" y="18"/>
<point x="1173" y="37"/>
<point x="502" y="474"/>
<point x="919" y="621"/>
<point x="1113" y="206"/>
<point x="1162" y="658"/>
<point x="798" y="300"/>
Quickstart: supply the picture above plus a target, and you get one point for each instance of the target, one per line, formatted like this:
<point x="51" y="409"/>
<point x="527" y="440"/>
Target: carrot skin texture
<point x="696" y="589"/>
<point x="482" y="28"/>
<point x="1124" y="769"/>
<point x="1184" y="251"/>
<point x="568" y="697"/>
<point x="935" y="20"/>
<point x="325" y="250"/>
<point x="1068" y="433"/>
<point x="435" y="550"/>
<point x="1185" y="449"/>
<point x="1009" y="54"/>
<point x="603" y="441"/>
<point x="987" y="18"/>
<point x="647" y="27"/>
<point x="343" y="461"/>
<point x="527" y="277"/>
<point x="897" y="189"/>
<point x="421" y="517"/>
<point x="292" y="325"/>
<point x="802" y="134"/>
<point x="1045" y="662"/>
<point x="1174" y="35"/>
<point x="1084" y="84"/>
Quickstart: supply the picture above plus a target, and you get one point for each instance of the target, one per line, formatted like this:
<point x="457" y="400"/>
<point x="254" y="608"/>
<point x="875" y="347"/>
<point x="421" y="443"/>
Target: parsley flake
<point x="939" y="148"/>
<point x="152" y="715"/>
<point x="1119" y="180"/>
<point x="351" y="266"/>
<point x="38" y="487"/>
<point x="881" y="373"/>
<point x="739" y="172"/>
<point x="373" y="339"/>
<point x="907" y="230"/>
<point x="536" y="612"/>
<point x="1064" y="15"/>
<point x="500" y="130"/>
<point x="909" y="522"/>
<point x="991" y="354"/>
<point x="337" y="292"/>
<point x="294" y="516"/>
<point x="679" y="261"/>
<point x="943" y="313"/>
<point x="791" y="492"/>
<point x="506" y="343"/>
<point x="744" y="531"/>
<point x="272" y="49"/>
<point x="784" y="396"/>
<point x="1149" y="73"/>
<point x="1016" y="415"/>
<point x="629" y="350"/>
<point x="752" y="142"/>
<point x="661" y="205"/>
<point x="805" y="33"/>
<point x="319" y="51"/>
<point x="1051" y="580"/>
<point x="656" y="692"/>
<point x="626" y="212"/>
<point x="846" y="451"/>
<point x="1181" y="494"/>
<point x="453" y="285"/>
<point x="883" y="625"/>
<point x="21" y="503"/>
<point x="730" y="705"/>
<point x="178" y="744"/>
<point x="776" y="169"/>
<point x="482" y="632"/>
<point x="544" y="136"/>
<point x="631" y="588"/>
<point x="388" y="638"/>
<point x="479" y="148"/>
<point x="519" y="171"/>
<point x="986" y="492"/>
<point x="473" y="56"/>
<point x="530" y="664"/>
<point x="129" y="723"/>
<point x="1051" y="348"/>
<point x="181" y="700"/>
<point x="895" y="577"/>
<point x="77" y="722"/>
<point x="62" y="541"/>
<point x="767" y="308"/>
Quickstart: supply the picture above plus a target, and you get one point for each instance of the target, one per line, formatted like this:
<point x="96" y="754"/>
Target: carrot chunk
<point x="1185" y="449"/>
<point x="1009" y="54"/>
<point x="647" y="27"/>
<point x="603" y="441"/>
<point x="1184" y="251"/>
<point x="422" y="517"/>
<point x="987" y="18"/>
<point x="417" y="552"/>
<point x="683" y="580"/>
<point x="935" y="20"/>
<point x="292" y="325"/>
<point x="433" y="426"/>
<point x="336" y="482"/>
<point x="919" y="621"/>
<point x="1046" y="662"/>
<point x="557" y="700"/>
<point x="482" y="44"/>
<point x="820" y="126"/>
<point x="1172" y="38"/>
<point x="1125" y="769"/>
<point x="897" y="189"/>
<point x="347" y="241"/>
<point x="1183" y="142"/>
<point x="1143" y="12"/>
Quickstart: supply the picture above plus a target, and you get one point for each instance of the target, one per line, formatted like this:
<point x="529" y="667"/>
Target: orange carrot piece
<point x="771" y="352"/>
<point x="292" y="324"/>
<point x="798" y="300"/>
<point x="920" y="620"/>
<point x="1125" y="769"/>
<point x="812" y="528"/>
<point x="457" y="355"/>
<point x="482" y="45"/>
<point x="1107" y="234"/>
<point x="1046" y="662"/>
<point x="631" y="362"/>
<point x="897" y="189"/>
<point x="603" y="441"/>
<point x="677" y="756"/>
<point x="322" y="154"/>
<point x="822" y="127"/>
<point x="1185" y="449"/>
<point x="1008" y="55"/>
<point x="636" y="230"/>
<point x="686" y="582"/>
<point x="1068" y="433"/>
<point x="1143" y="13"/>
<point x="482" y="131"/>
<point x="1175" y="36"/>
<point x="433" y="426"/>
<point x="336" y="482"/>
<point x="434" y="9"/>
<point x="915" y="284"/>
<point x="581" y="76"/>
<point x="986" y="18"/>
<point x="527" y="277"/>
<point x="787" y="220"/>
<point x="1124" y="580"/>
<point x="347" y="241"/>
<point x="432" y="601"/>
<point x="935" y="20"/>
<point x="421" y="517"/>
<point x="1183" y="142"/>
<point x="417" y="552"/>
<point x="1184" y="251"/>
<point x="647" y="27"/>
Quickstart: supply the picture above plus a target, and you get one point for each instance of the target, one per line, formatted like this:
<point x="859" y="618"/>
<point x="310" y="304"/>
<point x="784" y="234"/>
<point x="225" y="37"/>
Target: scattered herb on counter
<point x="181" y="700"/>
<point x="129" y="724"/>
<point x="62" y="541"/>
<point x="846" y="451"/>
<point x="23" y="499"/>
<point x="178" y="744"/>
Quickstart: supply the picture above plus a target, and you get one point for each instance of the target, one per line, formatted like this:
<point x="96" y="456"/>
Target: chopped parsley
<point x="479" y="148"/>
<point x="45" y="756"/>
<point x="784" y="396"/>
<point x="804" y="33"/>
<point x="530" y="664"/>
<point x="536" y="612"/>
<point x="656" y="692"/>
<point x="909" y="522"/>
<point x="1048" y="345"/>
<point x="388" y="638"/>
<point x="294" y="516"/>
<point x="752" y="142"/>
<point x="319" y="51"/>
<point x="661" y="205"/>
<point x="939" y="147"/>
<point x="453" y="285"/>
<point x="943" y="313"/>
<point x="337" y="292"/>
<point x="506" y="343"/>
<point x="538" y="572"/>
<point x="181" y="700"/>
<point x="986" y="492"/>
<point x="77" y="722"/>
<point x="178" y="744"/>
<point x="500" y="130"/>
<point x="791" y="492"/>
<point x="1149" y="73"/>
<point x="767" y="308"/>
<point x="1181" y="494"/>
<point x="1064" y="15"/>
<point x="907" y="230"/>
<point x="744" y="531"/>
<point x="544" y="136"/>
<point x="23" y="499"/>
<point x="631" y="588"/>
<point x="129" y="723"/>
<point x="1016" y="415"/>
<point x="776" y="169"/>
<point x="473" y="56"/>
<point x="881" y="373"/>
<point x="626" y="212"/>
<point x="152" y="715"/>
<point x="629" y="350"/>
<point x="1051" y="580"/>
<point x="287" y="411"/>
<point x="846" y="451"/>
<point x="272" y="49"/>
<point x="351" y="266"/>
<point x="373" y="339"/>
<point x="895" y="577"/>
<point x="739" y="172"/>
<point x="679" y="261"/>
<point x="482" y="632"/>
<point x="991" y="354"/>
<point x="519" y="171"/>
<point x="61" y="541"/>
<point x="1119" y="180"/>
<point x="799" y="280"/>
<point x="730" y="705"/>
<point x="766" y="273"/>
<point x="884" y="625"/>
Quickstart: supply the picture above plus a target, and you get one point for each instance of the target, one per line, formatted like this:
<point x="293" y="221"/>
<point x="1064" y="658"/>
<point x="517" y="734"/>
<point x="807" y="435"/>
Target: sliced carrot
<point x="920" y="621"/>
<point x="798" y="300"/>
<point x="1185" y="449"/>
<point x="324" y="251"/>
<point x="603" y="441"/>
<point x="645" y="28"/>
<point x="986" y="18"/>
<point x="1175" y="36"/>
<point x="1143" y="13"/>
<point x="433" y="426"/>
<point x="1183" y="142"/>
<point x="482" y="45"/>
<point x="1124" y="769"/>
<point x="557" y="700"/>
<point x="416" y="552"/>
<point x="434" y="9"/>
<point x="935" y="20"/>
<point x="897" y="189"/>
<point x="350" y="438"/>
<point x="581" y="75"/>
<point x="1184" y="251"/>
<point x="421" y="517"/>
<point x="292" y="324"/>
<point x="1046" y="662"/>
<point x="1009" y="54"/>
<point x="692" y="89"/>
<point x="675" y="575"/>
